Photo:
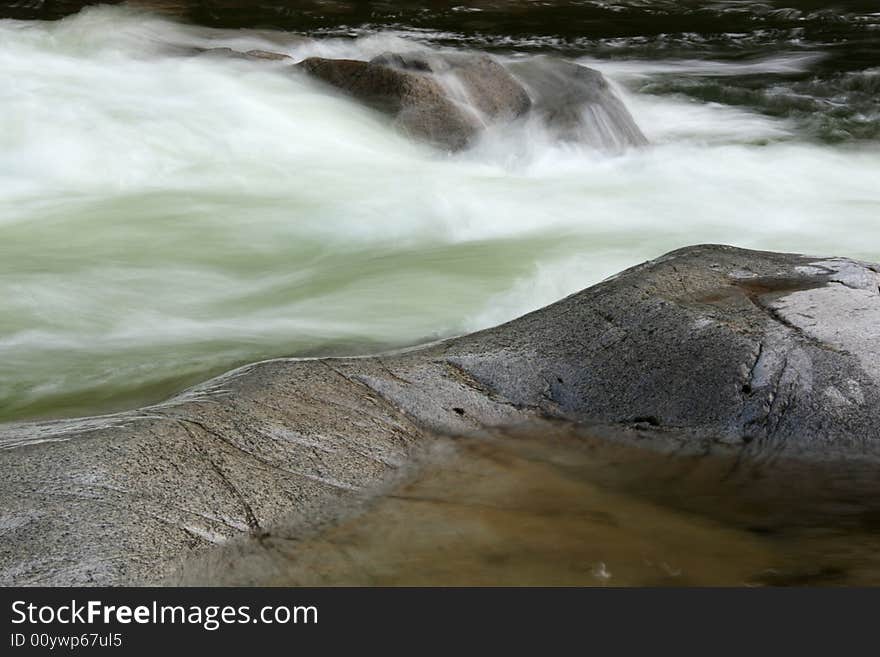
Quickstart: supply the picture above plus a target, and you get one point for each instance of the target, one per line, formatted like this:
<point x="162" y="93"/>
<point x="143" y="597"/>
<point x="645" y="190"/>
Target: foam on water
<point x="166" y="217"/>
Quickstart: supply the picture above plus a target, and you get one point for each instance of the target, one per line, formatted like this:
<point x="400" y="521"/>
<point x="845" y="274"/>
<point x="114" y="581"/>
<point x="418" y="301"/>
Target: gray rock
<point x="445" y="100"/>
<point x="743" y="348"/>
<point x="761" y="357"/>
<point x="417" y="102"/>
<point x="117" y="499"/>
<point x="577" y="103"/>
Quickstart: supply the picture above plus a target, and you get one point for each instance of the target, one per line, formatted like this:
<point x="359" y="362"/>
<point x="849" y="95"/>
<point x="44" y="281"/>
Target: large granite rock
<point x="474" y="79"/>
<point x="417" y="102"/>
<point x="759" y="357"/>
<point x="449" y="98"/>
<point x="443" y="99"/>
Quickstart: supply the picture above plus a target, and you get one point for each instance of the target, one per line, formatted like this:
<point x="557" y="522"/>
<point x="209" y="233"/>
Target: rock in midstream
<point x="449" y="99"/>
<point x="707" y="350"/>
<point x="416" y="100"/>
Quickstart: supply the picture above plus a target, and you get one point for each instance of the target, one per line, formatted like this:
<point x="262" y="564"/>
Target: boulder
<point x="474" y="79"/>
<point x="577" y="103"/>
<point x="759" y="358"/>
<point x="417" y="102"/>
<point x="445" y="100"/>
<point x="769" y="354"/>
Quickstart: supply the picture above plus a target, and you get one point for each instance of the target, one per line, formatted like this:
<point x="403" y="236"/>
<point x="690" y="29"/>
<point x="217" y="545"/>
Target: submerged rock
<point x="577" y="103"/>
<point x="758" y="357"/>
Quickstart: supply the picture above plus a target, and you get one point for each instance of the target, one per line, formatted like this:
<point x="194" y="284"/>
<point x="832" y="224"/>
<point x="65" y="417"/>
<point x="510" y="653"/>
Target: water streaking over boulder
<point x="445" y="99"/>
<point x="706" y="352"/>
<point x="577" y="103"/>
<point x="472" y="79"/>
<point x="448" y="99"/>
<point x="417" y="102"/>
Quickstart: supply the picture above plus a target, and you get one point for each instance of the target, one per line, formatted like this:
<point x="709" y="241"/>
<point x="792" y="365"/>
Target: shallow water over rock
<point x="556" y="507"/>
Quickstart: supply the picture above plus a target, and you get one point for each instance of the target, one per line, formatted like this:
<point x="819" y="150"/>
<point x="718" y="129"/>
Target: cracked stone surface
<point x="764" y="357"/>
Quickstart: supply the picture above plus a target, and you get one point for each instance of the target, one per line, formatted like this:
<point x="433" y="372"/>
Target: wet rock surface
<point x="449" y="99"/>
<point x="418" y="103"/>
<point x="477" y="79"/>
<point x="761" y="358"/>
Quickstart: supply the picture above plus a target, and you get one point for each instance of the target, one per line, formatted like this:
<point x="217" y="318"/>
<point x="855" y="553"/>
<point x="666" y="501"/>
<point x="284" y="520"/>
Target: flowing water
<point x="164" y="218"/>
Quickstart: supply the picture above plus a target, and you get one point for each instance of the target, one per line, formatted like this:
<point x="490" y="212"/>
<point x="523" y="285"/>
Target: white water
<point x="166" y="217"/>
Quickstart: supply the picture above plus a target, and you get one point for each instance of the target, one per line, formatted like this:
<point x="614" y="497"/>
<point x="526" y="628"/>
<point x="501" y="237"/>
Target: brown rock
<point x="418" y="102"/>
